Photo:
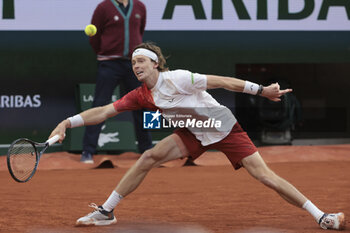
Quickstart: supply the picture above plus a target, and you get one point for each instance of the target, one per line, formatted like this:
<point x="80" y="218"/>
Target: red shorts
<point x="236" y="146"/>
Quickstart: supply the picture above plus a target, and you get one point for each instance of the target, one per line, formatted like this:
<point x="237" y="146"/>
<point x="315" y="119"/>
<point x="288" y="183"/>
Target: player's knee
<point x="148" y="159"/>
<point x="145" y="162"/>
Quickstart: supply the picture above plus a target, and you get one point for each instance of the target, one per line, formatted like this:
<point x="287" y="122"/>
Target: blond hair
<point x="154" y="48"/>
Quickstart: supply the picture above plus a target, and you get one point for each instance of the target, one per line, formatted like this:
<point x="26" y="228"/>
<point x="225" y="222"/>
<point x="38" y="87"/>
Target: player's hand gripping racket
<point x="23" y="157"/>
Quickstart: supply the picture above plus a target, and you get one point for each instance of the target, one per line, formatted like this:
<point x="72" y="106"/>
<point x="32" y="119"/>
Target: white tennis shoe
<point x="99" y="217"/>
<point x="333" y="221"/>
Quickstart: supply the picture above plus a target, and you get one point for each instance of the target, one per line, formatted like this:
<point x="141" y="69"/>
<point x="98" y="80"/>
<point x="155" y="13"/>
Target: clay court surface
<point x="209" y="197"/>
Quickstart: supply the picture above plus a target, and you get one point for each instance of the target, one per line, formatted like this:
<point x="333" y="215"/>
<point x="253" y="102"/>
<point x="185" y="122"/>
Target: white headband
<point x="145" y="52"/>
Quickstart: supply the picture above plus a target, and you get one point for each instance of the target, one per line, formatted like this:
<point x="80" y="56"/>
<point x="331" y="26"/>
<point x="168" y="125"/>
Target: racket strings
<point x="22" y="159"/>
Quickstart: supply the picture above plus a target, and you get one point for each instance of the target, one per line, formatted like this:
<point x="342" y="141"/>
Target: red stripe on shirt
<point x="139" y="98"/>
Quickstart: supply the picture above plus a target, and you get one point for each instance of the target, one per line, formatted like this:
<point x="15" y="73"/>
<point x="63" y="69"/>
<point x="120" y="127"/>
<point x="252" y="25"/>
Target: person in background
<point x="120" y="26"/>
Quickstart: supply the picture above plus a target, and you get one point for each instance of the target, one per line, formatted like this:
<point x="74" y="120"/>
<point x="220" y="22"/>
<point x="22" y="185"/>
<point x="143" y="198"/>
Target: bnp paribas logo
<point x="262" y="12"/>
<point x="8" y="9"/>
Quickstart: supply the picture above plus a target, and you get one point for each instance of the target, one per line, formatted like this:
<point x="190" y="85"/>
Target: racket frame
<point x="45" y="145"/>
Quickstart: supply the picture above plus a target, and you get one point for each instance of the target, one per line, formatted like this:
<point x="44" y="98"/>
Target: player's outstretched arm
<point x="91" y="116"/>
<point x="228" y="83"/>
<point x="271" y="92"/>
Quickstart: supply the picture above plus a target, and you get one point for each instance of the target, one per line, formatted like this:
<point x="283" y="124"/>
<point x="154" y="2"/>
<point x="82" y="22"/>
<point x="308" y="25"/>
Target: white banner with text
<point x="192" y="15"/>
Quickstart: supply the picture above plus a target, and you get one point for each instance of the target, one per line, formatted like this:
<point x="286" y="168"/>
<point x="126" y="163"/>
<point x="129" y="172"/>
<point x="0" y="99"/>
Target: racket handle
<point x="53" y="140"/>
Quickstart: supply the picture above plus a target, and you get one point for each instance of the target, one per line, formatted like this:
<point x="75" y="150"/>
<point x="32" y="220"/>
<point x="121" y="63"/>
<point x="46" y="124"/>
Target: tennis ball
<point x="90" y="30"/>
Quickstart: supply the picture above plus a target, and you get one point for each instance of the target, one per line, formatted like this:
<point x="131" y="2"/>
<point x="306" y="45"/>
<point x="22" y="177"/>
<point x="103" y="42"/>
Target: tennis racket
<point x="23" y="157"/>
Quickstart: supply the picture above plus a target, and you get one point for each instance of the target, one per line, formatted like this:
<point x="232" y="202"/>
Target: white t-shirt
<point x="181" y="95"/>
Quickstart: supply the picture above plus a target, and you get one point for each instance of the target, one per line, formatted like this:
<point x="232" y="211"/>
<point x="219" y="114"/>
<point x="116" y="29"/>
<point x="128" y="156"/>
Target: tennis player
<point x="182" y="92"/>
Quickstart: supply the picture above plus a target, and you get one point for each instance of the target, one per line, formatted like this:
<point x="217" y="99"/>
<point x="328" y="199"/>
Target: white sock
<point x="313" y="210"/>
<point x="112" y="201"/>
